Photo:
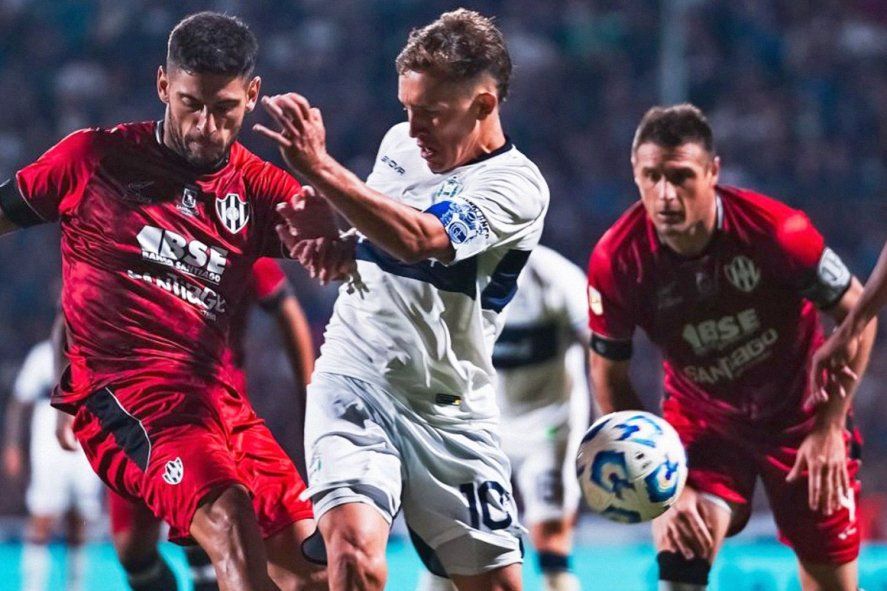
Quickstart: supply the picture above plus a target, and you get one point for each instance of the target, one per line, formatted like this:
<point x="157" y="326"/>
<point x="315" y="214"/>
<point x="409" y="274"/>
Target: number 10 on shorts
<point x="492" y="499"/>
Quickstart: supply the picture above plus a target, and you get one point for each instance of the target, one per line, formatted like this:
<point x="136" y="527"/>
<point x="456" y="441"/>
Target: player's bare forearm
<point x="402" y="231"/>
<point x="612" y="385"/>
<point x="14" y="420"/>
<point x="297" y="338"/>
<point x="872" y="299"/>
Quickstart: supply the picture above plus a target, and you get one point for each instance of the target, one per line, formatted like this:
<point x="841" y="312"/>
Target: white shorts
<point x="365" y="446"/>
<point x="543" y="459"/>
<point x="60" y="480"/>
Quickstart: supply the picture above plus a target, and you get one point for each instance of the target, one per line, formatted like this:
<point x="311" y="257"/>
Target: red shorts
<point x="725" y="459"/>
<point x="169" y="447"/>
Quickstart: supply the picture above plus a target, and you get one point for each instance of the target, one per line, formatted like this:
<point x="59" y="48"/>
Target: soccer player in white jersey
<point x="61" y="483"/>
<point x="402" y="405"/>
<point x="544" y="399"/>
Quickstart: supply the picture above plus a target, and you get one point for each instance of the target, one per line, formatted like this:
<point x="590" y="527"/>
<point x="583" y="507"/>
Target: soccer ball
<point x="631" y="466"/>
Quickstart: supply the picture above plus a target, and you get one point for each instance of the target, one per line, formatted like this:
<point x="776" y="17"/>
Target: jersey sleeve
<point x="53" y="185"/>
<point x="269" y="186"/>
<point x="499" y="208"/>
<point x="35" y="376"/>
<point x="811" y="268"/>
<point x="610" y="317"/>
<point x="269" y="283"/>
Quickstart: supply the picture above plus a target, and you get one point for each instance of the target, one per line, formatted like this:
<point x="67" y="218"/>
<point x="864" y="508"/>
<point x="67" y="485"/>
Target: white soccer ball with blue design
<point x="631" y="466"/>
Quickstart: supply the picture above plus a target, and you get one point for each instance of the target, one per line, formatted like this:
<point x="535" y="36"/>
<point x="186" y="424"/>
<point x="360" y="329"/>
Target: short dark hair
<point x="212" y="43"/>
<point x="459" y="45"/>
<point x="674" y="126"/>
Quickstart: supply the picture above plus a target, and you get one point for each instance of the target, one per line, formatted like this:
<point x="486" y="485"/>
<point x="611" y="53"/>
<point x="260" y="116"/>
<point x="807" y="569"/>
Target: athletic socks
<point x="153" y="576"/>
<point x="203" y="574"/>
<point x="556" y="575"/>
<point x="35" y="566"/>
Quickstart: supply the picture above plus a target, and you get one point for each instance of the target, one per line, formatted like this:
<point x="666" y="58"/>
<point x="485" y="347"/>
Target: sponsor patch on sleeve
<point x="463" y="222"/>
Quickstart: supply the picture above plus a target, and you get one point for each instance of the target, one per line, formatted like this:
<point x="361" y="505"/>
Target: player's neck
<point x="491" y="139"/>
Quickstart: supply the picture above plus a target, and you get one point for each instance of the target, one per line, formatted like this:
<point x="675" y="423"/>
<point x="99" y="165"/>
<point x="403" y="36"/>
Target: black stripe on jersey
<point x="15" y="208"/>
<point x="503" y="280"/>
<point x="127" y="430"/>
<point x="519" y="346"/>
<point x="459" y="277"/>
<point x="611" y="348"/>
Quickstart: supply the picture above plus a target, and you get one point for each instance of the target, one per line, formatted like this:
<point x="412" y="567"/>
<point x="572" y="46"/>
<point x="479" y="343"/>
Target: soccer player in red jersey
<point x="161" y="223"/>
<point x="727" y="282"/>
<point x="135" y="531"/>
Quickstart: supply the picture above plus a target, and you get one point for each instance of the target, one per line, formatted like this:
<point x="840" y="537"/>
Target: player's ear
<point x="715" y="169"/>
<point x="252" y="93"/>
<point x="486" y="103"/>
<point x="162" y="85"/>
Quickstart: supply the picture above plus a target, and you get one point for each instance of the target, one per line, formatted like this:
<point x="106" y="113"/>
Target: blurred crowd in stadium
<point x="796" y="93"/>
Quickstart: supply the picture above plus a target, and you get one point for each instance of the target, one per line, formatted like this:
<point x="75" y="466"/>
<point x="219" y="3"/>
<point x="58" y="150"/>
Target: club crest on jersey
<point x="449" y="189"/>
<point x="233" y="212"/>
<point x="742" y="273"/>
<point x="188" y="203"/>
<point x="173" y="471"/>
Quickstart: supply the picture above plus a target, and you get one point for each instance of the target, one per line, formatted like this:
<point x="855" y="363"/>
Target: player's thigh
<point x="135" y="531"/>
<point x="350" y="452"/>
<point x="506" y="578"/>
<point x="816" y="538"/>
<point x="457" y="499"/>
<point x="829" y="577"/>
<point x="287" y="565"/>
<point x="268" y="473"/>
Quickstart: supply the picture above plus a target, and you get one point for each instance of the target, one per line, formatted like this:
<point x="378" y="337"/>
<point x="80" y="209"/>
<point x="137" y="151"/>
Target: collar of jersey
<point x="173" y="155"/>
<point x="500" y="150"/>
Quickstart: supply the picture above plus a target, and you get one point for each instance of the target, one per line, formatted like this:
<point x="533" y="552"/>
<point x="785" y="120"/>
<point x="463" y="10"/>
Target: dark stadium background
<point x="796" y="92"/>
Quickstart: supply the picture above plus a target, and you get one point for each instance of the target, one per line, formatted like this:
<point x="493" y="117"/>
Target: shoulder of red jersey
<point x="263" y="178"/>
<point x="762" y="219"/>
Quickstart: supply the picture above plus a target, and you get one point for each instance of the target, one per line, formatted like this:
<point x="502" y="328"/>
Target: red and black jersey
<point x="156" y="256"/>
<point x="736" y="324"/>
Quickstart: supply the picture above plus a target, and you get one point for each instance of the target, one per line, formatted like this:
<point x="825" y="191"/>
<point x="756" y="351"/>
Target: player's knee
<point x="133" y="551"/>
<point x="677" y="573"/>
<point x="355" y="561"/>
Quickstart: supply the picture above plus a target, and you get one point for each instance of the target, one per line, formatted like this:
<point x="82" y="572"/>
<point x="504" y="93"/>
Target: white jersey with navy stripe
<point x="539" y="356"/>
<point x="426" y="330"/>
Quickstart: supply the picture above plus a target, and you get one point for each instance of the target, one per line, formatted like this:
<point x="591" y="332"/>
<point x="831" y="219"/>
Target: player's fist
<point x="306" y="216"/>
<point x="64" y="431"/>
<point x="301" y="136"/>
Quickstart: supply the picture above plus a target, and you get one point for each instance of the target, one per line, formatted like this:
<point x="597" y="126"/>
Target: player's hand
<point x="306" y="216"/>
<point x="301" y="136"/>
<point x="326" y="259"/>
<point x="830" y="372"/>
<point x="12" y="461"/>
<point x="823" y="455"/>
<point x="64" y="431"/>
<point x="686" y="527"/>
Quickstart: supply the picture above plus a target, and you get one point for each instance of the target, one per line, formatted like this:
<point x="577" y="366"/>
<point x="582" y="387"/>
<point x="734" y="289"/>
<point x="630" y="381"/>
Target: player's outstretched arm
<point x="612" y="385"/>
<point x="13" y="456"/>
<point x="404" y="232"/>
<point x="833" y="358"/>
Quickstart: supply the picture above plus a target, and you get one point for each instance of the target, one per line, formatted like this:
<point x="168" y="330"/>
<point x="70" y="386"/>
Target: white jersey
<point x="540" y="355"/>
<point x="36" y="378"/>
<point x="425" y="331"/>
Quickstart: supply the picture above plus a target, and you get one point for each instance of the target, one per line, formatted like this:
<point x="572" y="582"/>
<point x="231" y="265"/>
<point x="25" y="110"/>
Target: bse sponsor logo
<point x="743" y="273"/>
<point x="730" y="367"/>
<point x="717" y="335"/>
<point x="210" y="302"/>
<point x="191" y="257"/>
<point x="233" y="212"/>
<point x="173" y="471"/>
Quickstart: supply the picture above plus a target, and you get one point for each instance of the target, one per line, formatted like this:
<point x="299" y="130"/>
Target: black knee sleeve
<point x="203" y="574"/>
<point x="677" y="569"/>
<point x="151" y="576"/>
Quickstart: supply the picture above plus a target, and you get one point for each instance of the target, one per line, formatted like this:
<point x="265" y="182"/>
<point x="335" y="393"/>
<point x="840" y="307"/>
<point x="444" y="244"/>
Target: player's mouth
<point x="670" y="217"/>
